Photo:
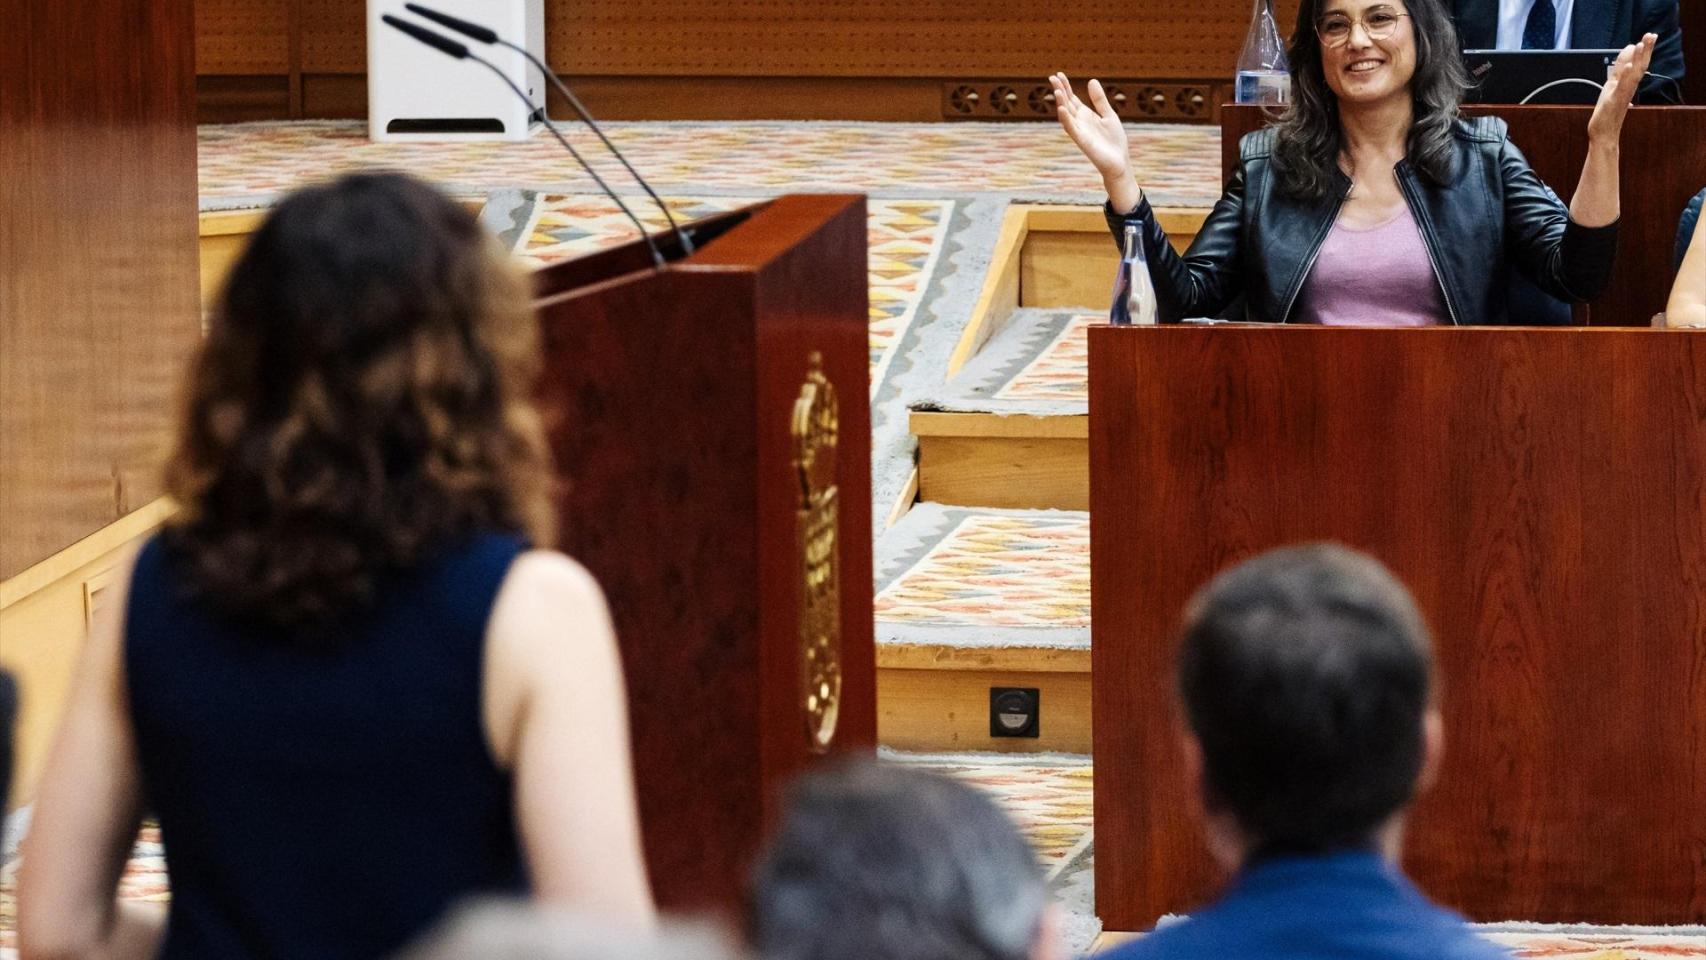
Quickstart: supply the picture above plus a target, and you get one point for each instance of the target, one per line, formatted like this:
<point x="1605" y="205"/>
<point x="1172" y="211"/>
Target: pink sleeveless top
<point x="1373" y="277"/>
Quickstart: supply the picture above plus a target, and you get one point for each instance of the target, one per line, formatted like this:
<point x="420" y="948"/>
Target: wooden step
<point x="993" y="460"/>
<point x="969" y="599"/>
<point x="936" y="698"/>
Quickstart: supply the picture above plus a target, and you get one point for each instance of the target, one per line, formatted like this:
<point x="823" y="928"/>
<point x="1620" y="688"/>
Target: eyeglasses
<point x="1334" y="29"/>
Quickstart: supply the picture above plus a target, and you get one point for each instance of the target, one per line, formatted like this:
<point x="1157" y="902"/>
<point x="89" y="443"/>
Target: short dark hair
<point x="880" y="862"/>
<point x="1306" y="673"/>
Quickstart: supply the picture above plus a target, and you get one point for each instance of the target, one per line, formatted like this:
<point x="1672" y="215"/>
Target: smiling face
<point x="1360" y="65"/>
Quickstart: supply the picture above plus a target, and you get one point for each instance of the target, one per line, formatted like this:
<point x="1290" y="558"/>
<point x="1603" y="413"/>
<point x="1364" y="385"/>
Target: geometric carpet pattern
<point x="1037" y="363"/>
<point x="1062" y="372"/>
<point x="976" y="577"/>
<point x="1047" y="796"/>
<point x="250" y="164"/>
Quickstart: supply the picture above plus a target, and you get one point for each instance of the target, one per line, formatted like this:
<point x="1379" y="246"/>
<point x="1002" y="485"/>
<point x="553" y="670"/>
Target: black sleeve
<point x="1562" y="257"/>
<point x="1206" y="278"/>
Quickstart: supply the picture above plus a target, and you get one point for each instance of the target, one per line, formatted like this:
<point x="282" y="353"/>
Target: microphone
<point x="459" y="51"/>
<point x="436" y="41"/>
<point x="474" y="31"/>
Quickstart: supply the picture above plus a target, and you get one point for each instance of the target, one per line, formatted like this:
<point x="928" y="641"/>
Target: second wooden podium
<point x="711" y="424"/>
<point x="1543" y="494"/>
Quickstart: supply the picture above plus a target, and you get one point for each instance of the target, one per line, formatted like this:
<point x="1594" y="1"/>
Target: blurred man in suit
<point x="1580" y="25"/>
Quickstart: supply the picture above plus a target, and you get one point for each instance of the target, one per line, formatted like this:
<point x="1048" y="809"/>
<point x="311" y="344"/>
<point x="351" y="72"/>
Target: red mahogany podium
<point x="711" y="424"/>
<point x="1543" y="494"/>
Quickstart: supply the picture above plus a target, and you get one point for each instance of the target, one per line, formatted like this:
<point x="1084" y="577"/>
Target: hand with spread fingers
<point x="1099" y="133"/>
<point x="1597" y="202"/>
<point x="1625" y="75"/>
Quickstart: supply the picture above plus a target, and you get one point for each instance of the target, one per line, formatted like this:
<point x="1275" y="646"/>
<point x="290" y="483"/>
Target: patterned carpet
<point x="251" y="164"/>
<point x="983" y="577"/>
<point x="1037" y="363"/>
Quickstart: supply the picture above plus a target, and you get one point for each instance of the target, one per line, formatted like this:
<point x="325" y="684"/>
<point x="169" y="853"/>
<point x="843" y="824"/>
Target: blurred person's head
<point x="878" y="862"/>
<point x="506" y="930"/>
<point x="1305" y="675"/>
<point x="362" y="399"/>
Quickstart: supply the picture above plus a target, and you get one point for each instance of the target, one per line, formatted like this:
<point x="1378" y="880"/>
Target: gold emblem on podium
<point x="817" y="522"/>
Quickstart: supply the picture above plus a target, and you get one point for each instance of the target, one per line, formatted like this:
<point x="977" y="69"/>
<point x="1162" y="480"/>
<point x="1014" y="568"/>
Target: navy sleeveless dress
<point x="321" y="800"/>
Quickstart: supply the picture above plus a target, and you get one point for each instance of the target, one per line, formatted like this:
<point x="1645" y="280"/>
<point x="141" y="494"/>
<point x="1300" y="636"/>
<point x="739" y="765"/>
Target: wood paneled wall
<point x="864" y="59"/>
<point x="98" y="299"/>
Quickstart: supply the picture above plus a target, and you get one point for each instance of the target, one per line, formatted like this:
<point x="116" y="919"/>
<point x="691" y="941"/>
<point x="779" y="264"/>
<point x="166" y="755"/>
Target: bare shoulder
<point x="549" y="579"/>
<point x="549" y="635"/>
<point x="548" y="605"/>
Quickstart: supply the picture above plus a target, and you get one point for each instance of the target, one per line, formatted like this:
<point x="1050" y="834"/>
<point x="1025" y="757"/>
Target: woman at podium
<point x="1372" y="201"/>
<point x="344" y="677"/>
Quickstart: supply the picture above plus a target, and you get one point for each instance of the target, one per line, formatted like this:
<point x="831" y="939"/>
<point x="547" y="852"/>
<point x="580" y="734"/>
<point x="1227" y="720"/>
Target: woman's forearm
<point x="1123" y="192"/>
<point x="1597" y="202"/>
<point x="132" y="931"/>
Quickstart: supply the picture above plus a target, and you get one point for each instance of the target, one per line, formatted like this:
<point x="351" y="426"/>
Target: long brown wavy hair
<point x="1308" y="138"/>
<point x="362" y="401"/>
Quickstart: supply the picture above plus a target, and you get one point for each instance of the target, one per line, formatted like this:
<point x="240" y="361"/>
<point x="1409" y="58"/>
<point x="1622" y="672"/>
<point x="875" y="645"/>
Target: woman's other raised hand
<point x="1098" y="132"/>
<point x="1606" y="123"/>
<point x="1598" y="198"/>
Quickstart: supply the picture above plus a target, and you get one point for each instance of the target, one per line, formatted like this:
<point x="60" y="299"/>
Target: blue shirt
<point x="1353" y="904"/>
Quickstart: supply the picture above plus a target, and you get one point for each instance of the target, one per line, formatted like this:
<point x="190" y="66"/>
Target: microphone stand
<point x="461" y="52"/>
<point x="489" y="36"/>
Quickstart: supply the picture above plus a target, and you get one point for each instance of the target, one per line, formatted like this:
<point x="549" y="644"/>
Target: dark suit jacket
<point x="1597" y="25"/>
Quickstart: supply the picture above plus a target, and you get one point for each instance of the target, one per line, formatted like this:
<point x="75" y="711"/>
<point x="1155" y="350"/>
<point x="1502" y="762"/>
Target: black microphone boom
<point x="439" y="42"/>
<point x="452" y="48"/>
<point x="474" y="31"/>
<point x="471" y="30"/>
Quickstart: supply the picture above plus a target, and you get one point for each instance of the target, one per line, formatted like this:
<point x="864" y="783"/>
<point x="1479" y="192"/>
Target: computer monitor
<point x="1536" y="76"/>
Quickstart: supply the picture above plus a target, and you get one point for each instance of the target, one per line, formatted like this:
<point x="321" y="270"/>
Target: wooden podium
<point x="711" y="422"/>
<point x="1542" y="492"/>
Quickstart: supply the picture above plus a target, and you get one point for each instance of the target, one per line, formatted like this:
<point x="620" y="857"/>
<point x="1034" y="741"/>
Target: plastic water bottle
<point x="1263" y="74"/>
<point x="1134" y="293"/>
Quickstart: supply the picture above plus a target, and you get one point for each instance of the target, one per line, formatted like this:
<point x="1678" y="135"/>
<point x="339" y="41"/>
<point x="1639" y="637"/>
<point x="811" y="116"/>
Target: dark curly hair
<point x="362" y="400"/>
<point x="1307" y="139"/>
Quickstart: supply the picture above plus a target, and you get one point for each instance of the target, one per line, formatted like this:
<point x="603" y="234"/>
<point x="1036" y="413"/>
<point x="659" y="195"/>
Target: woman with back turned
<point x="345" y="677"/>
<point x="1372" y="201"/>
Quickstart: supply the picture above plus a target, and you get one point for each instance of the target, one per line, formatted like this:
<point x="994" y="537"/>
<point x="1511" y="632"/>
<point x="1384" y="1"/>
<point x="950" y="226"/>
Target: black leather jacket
<point x="1495" y="213"/>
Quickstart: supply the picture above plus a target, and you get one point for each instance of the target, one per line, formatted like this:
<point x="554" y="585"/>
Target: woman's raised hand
<point x="1606" y="124"/>
<point x="1097" y="132"/>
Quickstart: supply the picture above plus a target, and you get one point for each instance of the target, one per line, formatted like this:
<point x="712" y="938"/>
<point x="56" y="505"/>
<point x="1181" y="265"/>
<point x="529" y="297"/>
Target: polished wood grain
<point x="98" y="278"/>
<point x="669" y="396"/>
<point x="1663" y="165"/>
<point x="1543" y="492"/>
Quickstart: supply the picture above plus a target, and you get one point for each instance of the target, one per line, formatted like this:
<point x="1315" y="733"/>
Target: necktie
<point x="1541" y="31"/>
